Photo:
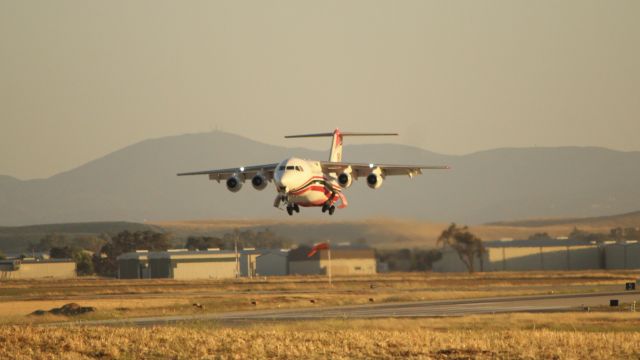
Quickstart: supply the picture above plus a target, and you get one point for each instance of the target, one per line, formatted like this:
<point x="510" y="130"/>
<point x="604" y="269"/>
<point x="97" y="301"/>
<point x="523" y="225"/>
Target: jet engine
<point x="345" y="179"/>
<point x="234" y="184"/>
<point x="374" y="180"/>
<point x="259" y="182"/>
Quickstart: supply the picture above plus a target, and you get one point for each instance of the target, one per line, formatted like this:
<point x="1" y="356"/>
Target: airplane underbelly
<point x="311" y="197"/>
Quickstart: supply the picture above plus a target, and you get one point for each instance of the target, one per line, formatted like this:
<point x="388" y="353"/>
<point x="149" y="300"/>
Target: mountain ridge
<point x="138" y="183"/>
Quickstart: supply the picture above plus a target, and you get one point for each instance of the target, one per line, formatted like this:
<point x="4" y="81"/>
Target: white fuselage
<point x="304" y="183"/>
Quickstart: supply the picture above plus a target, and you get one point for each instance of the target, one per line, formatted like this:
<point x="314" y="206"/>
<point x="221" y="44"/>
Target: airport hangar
<point x="345" y="260"/>
<point x="219" y="264"/>
<point x="204" y="264"/>
<point x="555" y="254"/>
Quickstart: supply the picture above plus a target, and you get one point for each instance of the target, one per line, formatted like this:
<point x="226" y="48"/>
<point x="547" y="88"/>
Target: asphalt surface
<point x="539" y="303"/>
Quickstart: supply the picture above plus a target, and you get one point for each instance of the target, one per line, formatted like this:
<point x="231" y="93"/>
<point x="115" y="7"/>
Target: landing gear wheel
<point x="296" y="208"/>
<point x="325" y="207"/>
<point x="332" y="209"/>
<point x="290" y="210"/>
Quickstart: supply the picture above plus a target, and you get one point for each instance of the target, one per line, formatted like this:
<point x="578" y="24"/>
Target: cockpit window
<point x="290" y="167"/>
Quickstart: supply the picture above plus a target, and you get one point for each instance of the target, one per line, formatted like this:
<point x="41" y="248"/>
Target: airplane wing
<point x="360" y="169"/>
<point x="245" y="171"/>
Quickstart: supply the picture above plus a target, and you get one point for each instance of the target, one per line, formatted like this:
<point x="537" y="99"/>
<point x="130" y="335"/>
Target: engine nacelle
<point x="345" y="179"/>
<point x="234" y="184"/>
<point x="259" y="182"/>
<point x="374" y="180"/>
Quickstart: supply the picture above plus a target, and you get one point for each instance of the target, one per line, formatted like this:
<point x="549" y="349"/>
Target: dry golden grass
<point x="134" y="298"/>
<point x="47" y="288"/>
<point x="503" y="336"/>
<point x="521" y="336"/>
<point x="17" y="312"/>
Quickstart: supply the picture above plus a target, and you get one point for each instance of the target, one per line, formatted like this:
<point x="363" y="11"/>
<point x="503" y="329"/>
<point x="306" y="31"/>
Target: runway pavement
<point x="538" y="303"/>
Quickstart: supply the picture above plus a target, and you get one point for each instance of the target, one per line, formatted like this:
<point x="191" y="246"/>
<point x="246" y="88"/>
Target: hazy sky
<point x="79" y="79"/>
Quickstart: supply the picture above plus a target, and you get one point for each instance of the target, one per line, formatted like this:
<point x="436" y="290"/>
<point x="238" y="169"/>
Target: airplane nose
<point x="284" y="183"/>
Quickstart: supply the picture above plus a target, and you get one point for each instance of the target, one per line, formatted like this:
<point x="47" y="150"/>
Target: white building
<point x="345" y="260"/>
<point x="37" y="269"/>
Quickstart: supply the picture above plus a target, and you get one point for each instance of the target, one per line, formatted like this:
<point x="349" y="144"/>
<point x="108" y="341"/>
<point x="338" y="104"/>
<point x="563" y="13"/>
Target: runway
<point x="538" y="303"/>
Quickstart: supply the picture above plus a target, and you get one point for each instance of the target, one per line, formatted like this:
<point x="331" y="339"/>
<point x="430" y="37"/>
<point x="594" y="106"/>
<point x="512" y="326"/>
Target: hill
<point x="15" y="239"/>
<point x="138" y="183"/>
<point x="626" y="220"/>
<point x="381" y="233"/>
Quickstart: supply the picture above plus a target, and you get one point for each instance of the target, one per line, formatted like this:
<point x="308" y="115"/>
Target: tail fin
<point x="336" y="143"/>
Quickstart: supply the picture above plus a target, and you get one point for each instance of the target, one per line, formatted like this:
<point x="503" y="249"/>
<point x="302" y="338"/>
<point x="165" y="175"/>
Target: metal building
<point x="247" y="259"/>
<point x="177" y="264"/>
<point x="608" y="255"/>
<point x="345" y="260"/>
<point x="273" y="263"/>
<point x="623" y="255"/>
<point x="134" y="265"/>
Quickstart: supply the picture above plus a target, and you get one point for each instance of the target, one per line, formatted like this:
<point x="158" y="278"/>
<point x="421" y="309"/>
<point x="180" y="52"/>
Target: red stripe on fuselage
<point x="326" y="194"/>
<point x="309" y="183"/>
<point x="311" y="186"/>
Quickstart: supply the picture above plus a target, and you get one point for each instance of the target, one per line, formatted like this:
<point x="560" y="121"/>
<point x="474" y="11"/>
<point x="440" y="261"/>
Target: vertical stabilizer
<point x="336" y="147"/>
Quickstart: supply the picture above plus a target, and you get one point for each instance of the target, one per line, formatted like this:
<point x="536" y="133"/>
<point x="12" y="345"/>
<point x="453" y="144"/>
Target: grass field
<point x="134" y="298"/>
<point x="575" y="335"/>
<point x="516" y="336"/>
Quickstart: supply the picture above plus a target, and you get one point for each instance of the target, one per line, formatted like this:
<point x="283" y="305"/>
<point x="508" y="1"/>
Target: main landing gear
<point x="291" y="208"/>
<point x="330" y="208"/>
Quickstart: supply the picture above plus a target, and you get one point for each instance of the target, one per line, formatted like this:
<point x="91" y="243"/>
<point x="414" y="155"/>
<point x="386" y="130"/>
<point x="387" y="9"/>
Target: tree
<point x="84" y="263"/>
<point x="50" y="241"/>
<point x="632" y="233"/>
<point x="204" y="242"/>
<point x="423" y="259"/>
<point x="467" y="245"/>
<point x="361" y="241"/>
<point x="588" y="237"/>
<point x="540" y="236"/>
<point x="264" y="239"/>
<point x="409" y="260"/>
<point x="617" y="234"/>
<point x="105" y="261"/>
<point x="92" y="243"/>
<point x="64" y="252"/>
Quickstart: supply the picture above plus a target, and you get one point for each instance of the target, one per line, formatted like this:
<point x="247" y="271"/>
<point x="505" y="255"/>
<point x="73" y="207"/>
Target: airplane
<point x="313" y="183"/>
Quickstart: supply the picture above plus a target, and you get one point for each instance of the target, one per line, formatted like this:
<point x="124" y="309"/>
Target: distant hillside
<point x="384" y="233"/>
<point x="380" y="233"/>
<point x="16" y="239"/>
<point x="138" y="184"/>
<point x="631" y="219"/>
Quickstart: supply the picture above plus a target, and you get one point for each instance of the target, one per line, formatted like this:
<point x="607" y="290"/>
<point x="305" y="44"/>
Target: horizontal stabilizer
<point x="330" y="134"/>
<point x="336" y="144"/>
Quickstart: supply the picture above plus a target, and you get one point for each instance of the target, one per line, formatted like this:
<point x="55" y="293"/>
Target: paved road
<point x="540" y="303"/>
